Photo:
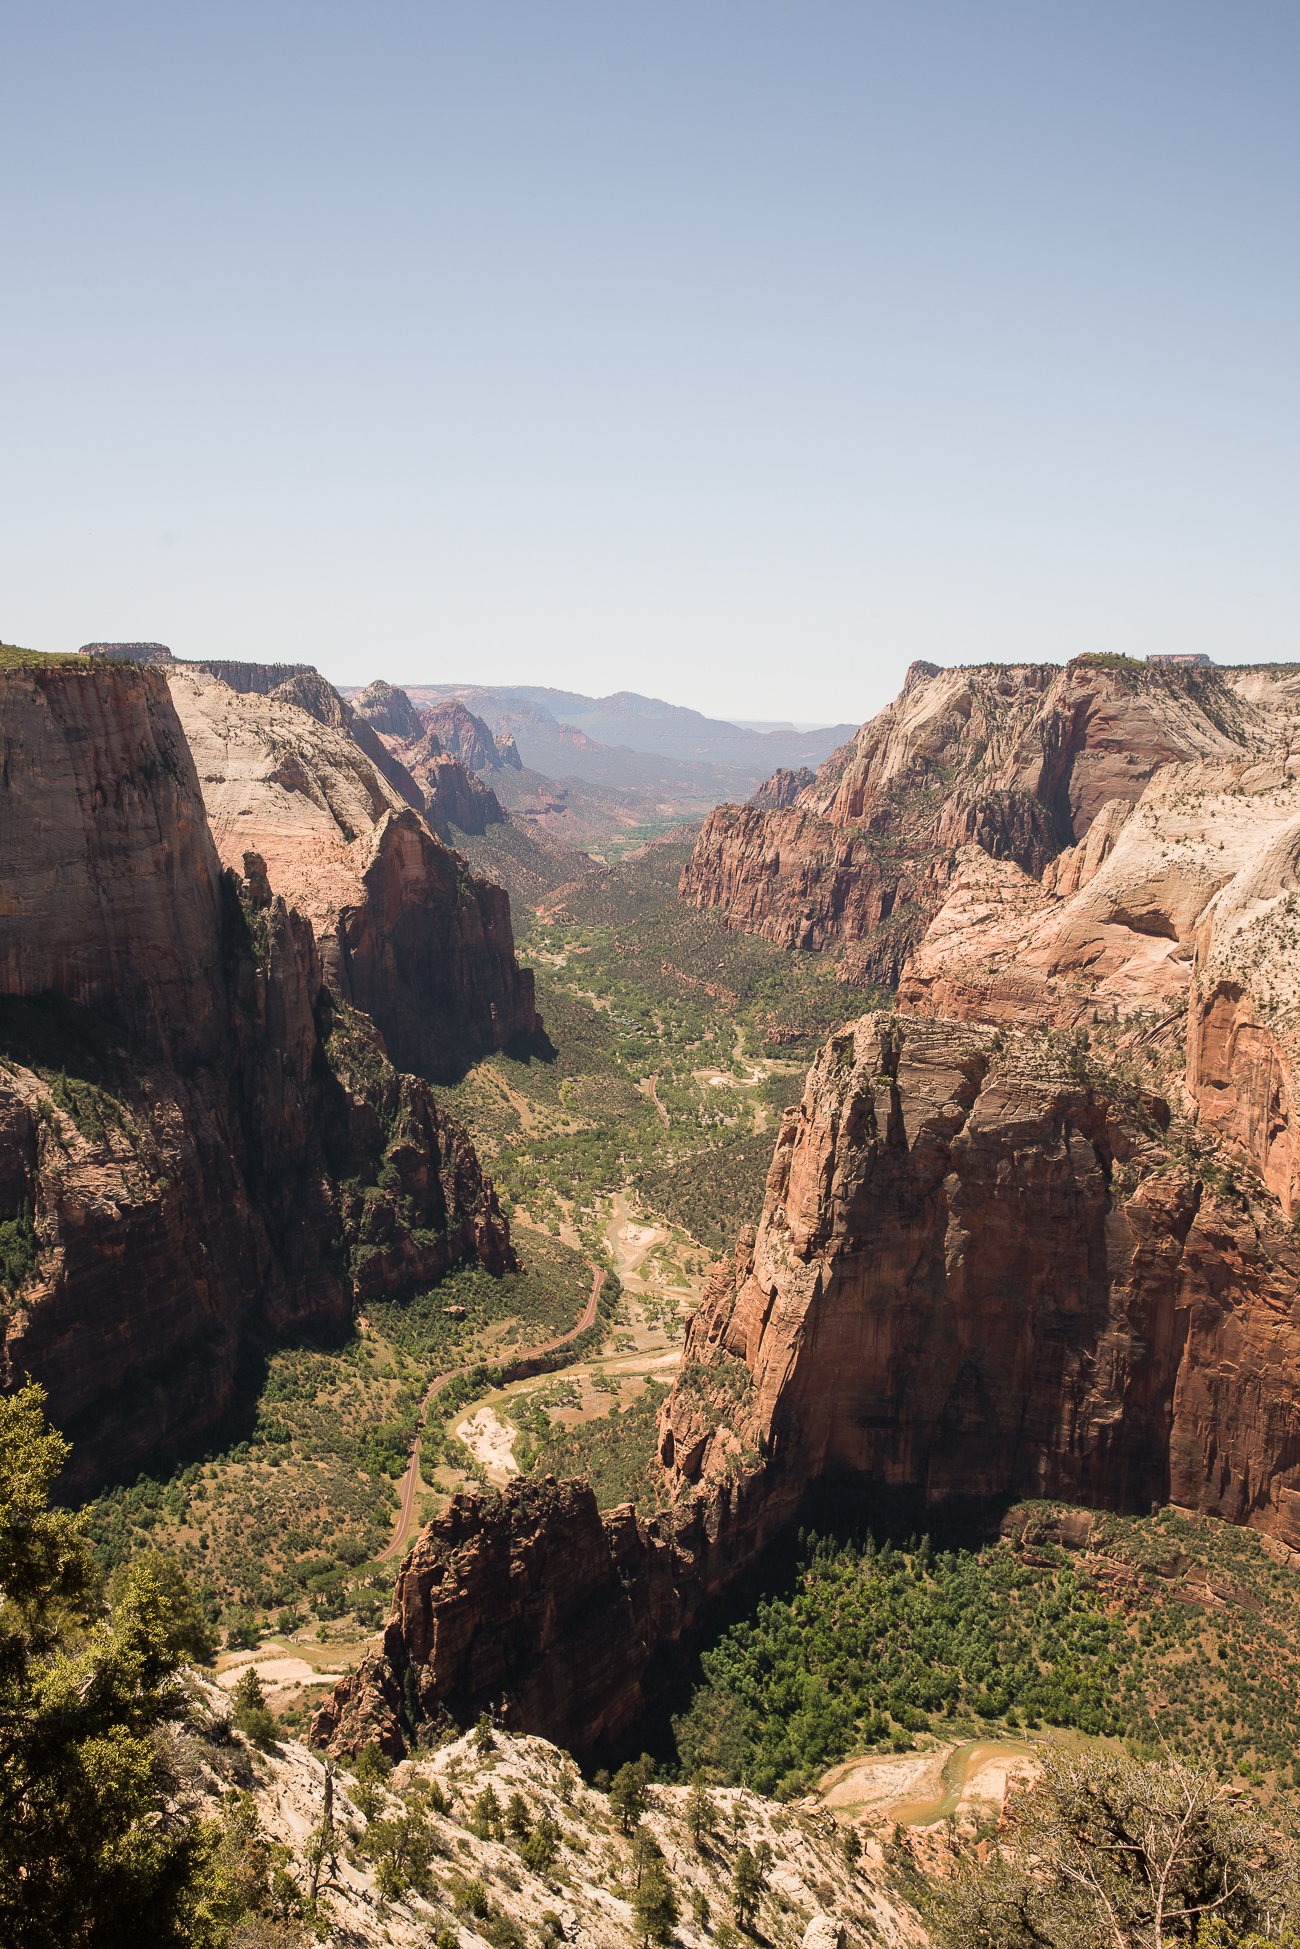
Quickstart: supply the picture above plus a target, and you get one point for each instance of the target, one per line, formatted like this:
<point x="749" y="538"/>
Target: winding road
<point x="411" y="1480"/>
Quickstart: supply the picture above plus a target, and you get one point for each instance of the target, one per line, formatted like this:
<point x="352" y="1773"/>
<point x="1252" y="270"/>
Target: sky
<point x="737" y="354"/>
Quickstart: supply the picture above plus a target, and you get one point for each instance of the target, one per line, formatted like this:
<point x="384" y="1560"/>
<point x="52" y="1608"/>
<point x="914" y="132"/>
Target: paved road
<point x="411" y="1480"/>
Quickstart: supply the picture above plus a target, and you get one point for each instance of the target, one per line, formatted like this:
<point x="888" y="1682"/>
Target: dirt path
<point x="411" y="1480"/>
<point x="650" y="1086"/>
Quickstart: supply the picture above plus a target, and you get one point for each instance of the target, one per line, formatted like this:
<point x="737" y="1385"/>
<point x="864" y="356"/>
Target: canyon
<point x="193" y="1110"/>
<point x="994" y="1259"/>
<point x="1025" y="1234"/>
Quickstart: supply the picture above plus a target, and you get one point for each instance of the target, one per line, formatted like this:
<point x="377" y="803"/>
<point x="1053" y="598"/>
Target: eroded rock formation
<point x="405" y="930"/>
<point x="534" y="1604"/>
<point x="1017" y="761"/>
<point x="182" y="1100"/>
<point x="978" y="1272"/>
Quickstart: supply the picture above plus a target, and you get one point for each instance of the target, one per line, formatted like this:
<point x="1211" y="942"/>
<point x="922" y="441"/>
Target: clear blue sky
<point x="735" y="353"/>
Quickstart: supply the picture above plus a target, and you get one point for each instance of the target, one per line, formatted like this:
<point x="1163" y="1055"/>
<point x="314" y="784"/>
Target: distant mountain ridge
<point x="643" y="724"/>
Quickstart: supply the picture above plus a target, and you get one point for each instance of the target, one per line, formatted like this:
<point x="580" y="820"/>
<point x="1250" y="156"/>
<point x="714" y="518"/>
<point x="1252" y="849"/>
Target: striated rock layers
<point x="534" y="1604"/>
<point x="1017" y="761"/>
<point x="405" y="930"/>
<point x="104" y="849"/>
<point x="1191" y="896"/>
<point x="979" y="1273"/>
<point x="980" y="1270"/>
<point x="197" y="1126"/>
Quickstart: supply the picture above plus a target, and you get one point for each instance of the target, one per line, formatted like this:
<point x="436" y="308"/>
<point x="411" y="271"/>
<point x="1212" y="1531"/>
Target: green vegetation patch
<point x="12" y="657"/>
<point x="857" y="1638"/>
<point x="17" y="1252"/>
<point x="614" y="1454"/>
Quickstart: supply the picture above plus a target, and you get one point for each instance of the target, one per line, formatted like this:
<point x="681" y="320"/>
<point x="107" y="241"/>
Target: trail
<point x="663" y="1114"/>
<point x="411" y="1480"/>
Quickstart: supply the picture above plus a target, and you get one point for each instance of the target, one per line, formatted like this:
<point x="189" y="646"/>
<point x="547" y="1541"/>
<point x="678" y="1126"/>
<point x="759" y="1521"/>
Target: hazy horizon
<point x="686" y="351"/>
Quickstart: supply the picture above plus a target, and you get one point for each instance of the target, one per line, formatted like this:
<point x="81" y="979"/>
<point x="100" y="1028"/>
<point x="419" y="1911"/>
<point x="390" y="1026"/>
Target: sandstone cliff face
<point x="1191" y="899"/>
<point x="103" y="847"/>
<point x="535" y="1605"/>
<point x="1244" y="1026"/>
<point x="977" y="1273"/>
<point x="1018" y="762"/>
<point x="389" y="710"/>
<point x="301" y="684"/>
<point x="462" y="735"/>
<point x="454" y="799"/>
<point x="430" y="955"/>
<point x="404" y="929"/>
<point x="183" y="1146"/>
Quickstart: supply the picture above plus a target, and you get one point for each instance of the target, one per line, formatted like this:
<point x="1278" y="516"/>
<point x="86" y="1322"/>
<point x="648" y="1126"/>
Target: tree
<point x="253" y="1717"/>
<point x="700" y="1910"/>
<point x="484" y="1743"/>
<point x="655" y="1906"/>
<point x="746" y="1888"/>
<point x="84" y="1852"/>
<point x="763" y="1862"/>
<point x="189" y="1635"/>
<point x="629" y="1796"/>
<point x="699" y="1810"/>
<point x="1131" y="1854"/>
<point x="485" y="1817"/>
<point x="400" y="1847"/>
<point x="541" y="1847"/>
<point x="518" y="1819"/>
<point x="322" y="1846"/>
<point x="373" y="1765"/>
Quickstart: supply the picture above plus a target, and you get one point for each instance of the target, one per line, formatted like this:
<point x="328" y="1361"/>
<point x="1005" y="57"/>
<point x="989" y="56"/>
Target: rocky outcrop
<point x="389" y="711"/>
<point x="219" y="1142"/>
<point x="534" y="1605"/>
<point x="979" y="1271"/>
<point x="1017" y="761"/>
<point x="462" y="735"/>
<point x="405" y="931"/>
<point x="782" y="789"/>
<point x="454" y="799"/>
<point x="430" y="954"/>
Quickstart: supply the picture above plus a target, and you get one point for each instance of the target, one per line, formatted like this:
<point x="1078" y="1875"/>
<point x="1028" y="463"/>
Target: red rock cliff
<point x="108" y="875"/>
<point x="185" y="1143"/>
<point x="978" y="1273"/>
<point x="1016" y="761"/>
